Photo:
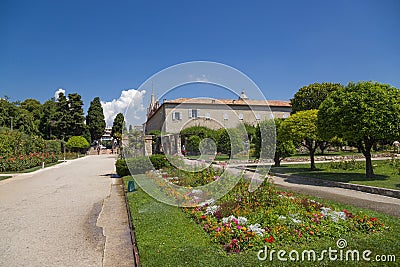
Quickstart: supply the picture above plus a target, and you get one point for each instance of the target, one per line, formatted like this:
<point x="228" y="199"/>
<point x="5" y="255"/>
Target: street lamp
<point x="11" y="123"/>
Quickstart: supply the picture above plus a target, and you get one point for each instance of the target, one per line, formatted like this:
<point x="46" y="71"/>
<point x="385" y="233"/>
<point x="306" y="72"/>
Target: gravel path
<point x="48" y="218"/>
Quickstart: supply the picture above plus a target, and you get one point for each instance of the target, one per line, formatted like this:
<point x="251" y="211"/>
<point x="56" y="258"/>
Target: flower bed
<point x="23" y="162"/>
<point x="242" y="220"/>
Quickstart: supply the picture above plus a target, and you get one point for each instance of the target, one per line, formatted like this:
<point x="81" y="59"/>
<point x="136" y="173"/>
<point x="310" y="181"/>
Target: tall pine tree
<point x="95" y="119"/>
<point x="77" y="122"/>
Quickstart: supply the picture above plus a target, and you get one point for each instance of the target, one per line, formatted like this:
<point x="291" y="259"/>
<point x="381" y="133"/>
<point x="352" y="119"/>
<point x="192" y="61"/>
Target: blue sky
<point x="99" y="48"/>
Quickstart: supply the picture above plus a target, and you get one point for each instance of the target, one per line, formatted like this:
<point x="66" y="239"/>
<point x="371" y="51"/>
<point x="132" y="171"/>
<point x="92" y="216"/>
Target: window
<point x="240" y="116"/>
<point x="258" y="117"/>
<point x="194" y="113"/>
<point x="207" y="116"/>
<point x="226" y="117"/>
<point x="176" y="116"/>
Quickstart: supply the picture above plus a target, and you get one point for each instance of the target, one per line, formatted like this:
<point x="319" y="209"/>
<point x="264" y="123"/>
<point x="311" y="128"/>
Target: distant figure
<point x="98" y="150"/>
<point x="183" y="150"/>
<point x="396" y="145"/>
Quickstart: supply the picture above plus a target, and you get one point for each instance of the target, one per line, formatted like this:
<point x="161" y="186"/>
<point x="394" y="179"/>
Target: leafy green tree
<point x="311" y="96"/>
<point x="302" y="127"/>
<point x="283" y="148"/>
<point x="48" y="120"/>
<point x="230" y="141"/>
<point x="364" y="113"/>
<point x="77" y="144"/>
<point x="118" y="127"/>
<point x="95" y="119"/>
<point x="34" y="107"/>
<point x="192" y="144"/>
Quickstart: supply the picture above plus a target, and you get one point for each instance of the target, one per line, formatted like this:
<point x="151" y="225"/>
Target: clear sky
<point x="99" y="48"/>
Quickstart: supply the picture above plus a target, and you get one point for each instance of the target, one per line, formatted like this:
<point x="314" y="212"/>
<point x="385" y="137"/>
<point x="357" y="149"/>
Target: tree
<point x="48" y="120"/>
<point x="95" y="119"/>
<point x="311" y="96"/>
<point x="118" y="127"/>
<point x="76" y="124"/>
<point x="77" y="144"/>
<point x="231" y="141"/>
<point x="302" y="127"/>
<point x="63" y="116"/>
<point x="364" y="113"/>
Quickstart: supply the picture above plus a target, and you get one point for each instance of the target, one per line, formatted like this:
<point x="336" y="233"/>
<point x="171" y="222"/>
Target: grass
<point x="384" y="174"/>
<point x="33" y="168"/>
<point x="166" y="236"/>
<point x="223" y="157"/>
<point x="4" y="177"/>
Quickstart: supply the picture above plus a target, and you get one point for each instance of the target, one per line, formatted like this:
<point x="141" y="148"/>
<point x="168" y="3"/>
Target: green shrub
<point x="121" y="168"/>
<point x="159" y="161"/>
<point x="346" y="165"/>
<point x="139" y="165"/>
<point x="53" y="146"/>
<point x="77" y="144"/>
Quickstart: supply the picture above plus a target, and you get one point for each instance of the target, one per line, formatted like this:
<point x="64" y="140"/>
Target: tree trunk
<point x="366" y="150"/>
<point x="311" y="146"/>
<point x="277" y="161"/>
<point x="312" y="152"/>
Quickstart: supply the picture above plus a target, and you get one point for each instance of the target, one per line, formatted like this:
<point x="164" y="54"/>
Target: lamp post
<point x="11" y="123"/>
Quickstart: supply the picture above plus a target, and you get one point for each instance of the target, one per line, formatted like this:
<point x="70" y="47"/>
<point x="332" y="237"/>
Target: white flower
<point x="207" y="202"/>
<point x="197" y="191"/>
<point x="212" y="209"/>
<point x="228" y="219"/>
<point x="281" y="217"/>
<point x="325" y="211"/>
<point x="296" y="220"/>
<point x="256" y="228"/>
<point x="242" y="220"/>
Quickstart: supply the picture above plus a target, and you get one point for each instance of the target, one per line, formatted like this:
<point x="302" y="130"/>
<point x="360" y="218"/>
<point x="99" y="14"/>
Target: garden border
<point x="363" y="188"/>
<point x="131" y="229"/>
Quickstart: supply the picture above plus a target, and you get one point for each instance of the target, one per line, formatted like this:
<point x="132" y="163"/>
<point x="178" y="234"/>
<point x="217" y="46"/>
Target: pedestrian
<point x="183" y="150"/>
<point x="98" y="150"/>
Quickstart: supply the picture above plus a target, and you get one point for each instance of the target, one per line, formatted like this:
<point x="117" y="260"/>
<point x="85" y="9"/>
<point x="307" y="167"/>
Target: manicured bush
<point x="159" y="161"/>
<point x="121" y="168"/>
<point x="77" y="144"/>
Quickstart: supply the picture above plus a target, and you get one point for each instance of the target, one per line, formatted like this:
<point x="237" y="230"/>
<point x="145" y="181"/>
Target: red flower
<point x="203" y="216"/>
<point x="374" y="219"/>
<point x="270" y="239"/>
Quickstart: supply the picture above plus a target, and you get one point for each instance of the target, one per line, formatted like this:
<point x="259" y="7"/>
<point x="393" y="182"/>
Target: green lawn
<point x="385" y="175"/>
<point x="32" y="169"/>
<point x="4" y="177"/>
<point x="166" y="236"/>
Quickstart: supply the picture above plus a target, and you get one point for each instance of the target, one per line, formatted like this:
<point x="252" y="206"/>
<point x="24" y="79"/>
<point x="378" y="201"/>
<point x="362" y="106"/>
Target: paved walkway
<point x="49" y="217"/>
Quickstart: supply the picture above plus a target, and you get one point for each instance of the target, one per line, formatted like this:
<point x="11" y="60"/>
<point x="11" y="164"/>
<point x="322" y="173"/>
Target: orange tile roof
<point x="275" y="103"/>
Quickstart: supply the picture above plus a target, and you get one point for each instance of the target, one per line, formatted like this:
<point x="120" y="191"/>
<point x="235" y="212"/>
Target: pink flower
<point x="238" y="227"/>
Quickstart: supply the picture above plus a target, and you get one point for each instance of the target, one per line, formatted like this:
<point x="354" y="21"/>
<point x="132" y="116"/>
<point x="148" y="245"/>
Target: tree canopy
<point x="118" y="127"/>
<point x="364" y="113"/>
<point x="311" y="96"/>
<point x="95" y="119"/>
<point x="302" y="127"/>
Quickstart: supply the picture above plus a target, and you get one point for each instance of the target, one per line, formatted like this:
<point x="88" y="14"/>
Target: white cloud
<point x="130" y="103"/>
<point x="60" y="90"/>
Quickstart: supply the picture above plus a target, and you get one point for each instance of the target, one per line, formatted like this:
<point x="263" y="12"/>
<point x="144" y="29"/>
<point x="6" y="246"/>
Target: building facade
<point x="174" y="115"/>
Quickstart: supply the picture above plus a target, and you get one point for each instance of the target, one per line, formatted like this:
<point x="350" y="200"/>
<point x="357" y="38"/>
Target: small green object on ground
<point x="131" y="186"/>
